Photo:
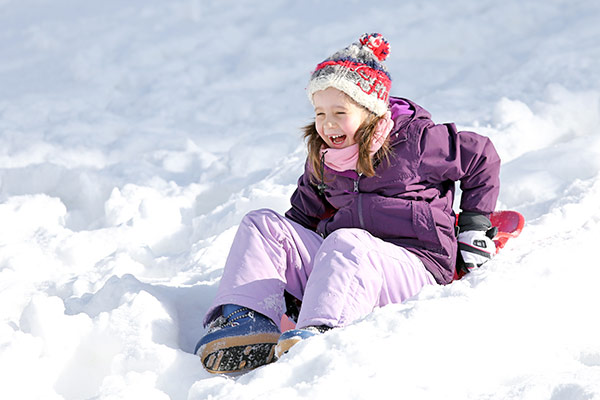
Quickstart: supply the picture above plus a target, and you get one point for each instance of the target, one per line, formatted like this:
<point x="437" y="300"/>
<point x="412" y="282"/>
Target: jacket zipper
<point x="361" y="220"/>
<point x="322" y="186"/>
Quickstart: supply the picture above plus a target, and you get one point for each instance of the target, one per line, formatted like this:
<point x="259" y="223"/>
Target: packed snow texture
<point x="135" y="135"/>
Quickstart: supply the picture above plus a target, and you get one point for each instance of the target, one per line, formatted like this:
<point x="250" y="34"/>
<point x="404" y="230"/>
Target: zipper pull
<point x="356" y="183"/>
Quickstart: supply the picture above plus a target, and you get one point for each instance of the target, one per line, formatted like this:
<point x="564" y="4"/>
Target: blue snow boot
<point x="293" y="336"/>
<point x="240" y="339"/>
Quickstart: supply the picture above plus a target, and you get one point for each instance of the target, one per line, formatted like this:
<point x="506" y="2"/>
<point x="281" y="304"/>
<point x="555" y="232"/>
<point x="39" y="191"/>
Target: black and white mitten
<point x="475" y="242"/>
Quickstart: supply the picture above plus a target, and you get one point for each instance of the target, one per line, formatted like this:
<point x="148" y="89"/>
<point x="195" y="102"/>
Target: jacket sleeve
<point x="447" y="154"/>
<point x="308" y="207"/>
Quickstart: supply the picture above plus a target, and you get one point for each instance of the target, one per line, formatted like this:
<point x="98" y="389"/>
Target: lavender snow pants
<point x="339" y="279"/>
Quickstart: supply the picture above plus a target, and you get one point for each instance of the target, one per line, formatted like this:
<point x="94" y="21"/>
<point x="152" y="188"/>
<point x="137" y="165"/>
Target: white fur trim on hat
<point x="370" y="102"/>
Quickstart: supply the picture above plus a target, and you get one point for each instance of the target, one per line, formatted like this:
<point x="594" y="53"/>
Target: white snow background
<point x="135" y="135"/>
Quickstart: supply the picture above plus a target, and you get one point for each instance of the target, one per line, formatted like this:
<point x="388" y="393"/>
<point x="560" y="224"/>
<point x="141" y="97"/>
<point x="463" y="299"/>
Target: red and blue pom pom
<point x="377" y="44"/>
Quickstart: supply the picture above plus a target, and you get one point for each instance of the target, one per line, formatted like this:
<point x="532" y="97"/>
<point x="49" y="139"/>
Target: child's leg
<point x="353" y="273"/>
<point x="269" y="254"/>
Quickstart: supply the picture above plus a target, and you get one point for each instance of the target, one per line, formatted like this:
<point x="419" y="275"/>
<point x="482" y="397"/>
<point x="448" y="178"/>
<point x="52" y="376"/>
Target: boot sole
<point x="238" y="353"/>
<point x="283" y="346"/>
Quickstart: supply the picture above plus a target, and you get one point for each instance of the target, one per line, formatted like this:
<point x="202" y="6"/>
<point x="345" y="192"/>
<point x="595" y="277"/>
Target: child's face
<point x="337" y="117"/>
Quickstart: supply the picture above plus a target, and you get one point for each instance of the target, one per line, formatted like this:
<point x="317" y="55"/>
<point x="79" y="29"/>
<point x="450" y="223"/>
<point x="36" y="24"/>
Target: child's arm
<point x="471" y="159"/>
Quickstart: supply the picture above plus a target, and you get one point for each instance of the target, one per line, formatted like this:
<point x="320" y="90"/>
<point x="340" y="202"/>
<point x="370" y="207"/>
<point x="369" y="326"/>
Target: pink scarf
<point x="346" y="158"/>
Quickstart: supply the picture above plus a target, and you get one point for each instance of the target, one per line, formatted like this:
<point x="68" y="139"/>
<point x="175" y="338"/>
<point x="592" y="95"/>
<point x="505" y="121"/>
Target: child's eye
<point x="340" y="113"/>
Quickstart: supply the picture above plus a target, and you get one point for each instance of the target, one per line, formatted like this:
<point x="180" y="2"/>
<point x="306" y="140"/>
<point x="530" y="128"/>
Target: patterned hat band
<point x="358" y="72"/>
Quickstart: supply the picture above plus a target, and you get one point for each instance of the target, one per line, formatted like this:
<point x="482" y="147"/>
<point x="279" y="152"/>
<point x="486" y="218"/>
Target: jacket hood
<point x="402" y="119"/>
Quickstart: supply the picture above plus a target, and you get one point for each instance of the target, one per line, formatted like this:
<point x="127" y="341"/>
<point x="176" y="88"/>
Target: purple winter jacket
<point x="409" y="200"/>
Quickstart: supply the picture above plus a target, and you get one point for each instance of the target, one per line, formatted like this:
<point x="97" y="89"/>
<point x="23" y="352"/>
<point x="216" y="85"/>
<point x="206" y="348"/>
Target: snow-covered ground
<point x="135" y="135"/>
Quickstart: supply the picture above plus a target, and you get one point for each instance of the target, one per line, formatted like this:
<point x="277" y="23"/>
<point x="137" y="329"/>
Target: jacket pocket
<point x="424" y="226"/>
<point x="342" y="218"/>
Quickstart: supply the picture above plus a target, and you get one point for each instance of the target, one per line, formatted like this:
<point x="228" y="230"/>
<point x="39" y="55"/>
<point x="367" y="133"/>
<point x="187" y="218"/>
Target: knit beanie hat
<point x="357" y="71"/>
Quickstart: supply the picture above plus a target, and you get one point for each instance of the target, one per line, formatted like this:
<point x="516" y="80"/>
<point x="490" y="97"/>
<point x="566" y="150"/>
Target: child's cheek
<point x="349" y="128"/>
<point x="319" y="128"/>
<point x="320" y="131"/>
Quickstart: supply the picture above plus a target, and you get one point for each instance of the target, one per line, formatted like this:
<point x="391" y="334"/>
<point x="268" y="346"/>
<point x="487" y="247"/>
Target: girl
<point x="371" y="220"/>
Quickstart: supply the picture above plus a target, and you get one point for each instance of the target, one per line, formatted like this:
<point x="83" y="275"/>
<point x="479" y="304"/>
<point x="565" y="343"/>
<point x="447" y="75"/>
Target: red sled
<point x="509" y="223"/>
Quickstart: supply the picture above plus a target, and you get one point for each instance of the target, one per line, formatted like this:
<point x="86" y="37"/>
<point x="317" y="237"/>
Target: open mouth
<point x="338" y="139"/>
